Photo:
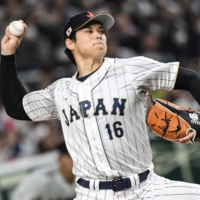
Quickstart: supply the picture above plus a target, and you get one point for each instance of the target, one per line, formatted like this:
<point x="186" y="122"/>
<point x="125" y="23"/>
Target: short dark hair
<point x="68" y="51"/>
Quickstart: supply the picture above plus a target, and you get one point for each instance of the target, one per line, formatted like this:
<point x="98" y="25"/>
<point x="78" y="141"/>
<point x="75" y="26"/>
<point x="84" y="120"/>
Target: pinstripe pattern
<point x="154" y="188"/>
<point x="104" y="139"/>
<point x="102" y="157"/>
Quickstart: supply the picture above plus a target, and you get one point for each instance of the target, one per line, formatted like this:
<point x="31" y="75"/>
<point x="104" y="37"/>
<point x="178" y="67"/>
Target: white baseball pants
<point x="154" y="188"/>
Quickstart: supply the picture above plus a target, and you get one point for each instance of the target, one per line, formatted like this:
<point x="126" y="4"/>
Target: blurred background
<point x="165" y="30"/>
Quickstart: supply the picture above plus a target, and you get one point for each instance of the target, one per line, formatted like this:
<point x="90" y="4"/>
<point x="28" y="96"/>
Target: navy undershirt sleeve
<point x="189" y="80"/>
<point x="11" y="89"/>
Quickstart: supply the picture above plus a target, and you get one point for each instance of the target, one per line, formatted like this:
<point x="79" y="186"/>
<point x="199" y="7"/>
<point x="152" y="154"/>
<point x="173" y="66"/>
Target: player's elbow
<point x="17" y="113"/>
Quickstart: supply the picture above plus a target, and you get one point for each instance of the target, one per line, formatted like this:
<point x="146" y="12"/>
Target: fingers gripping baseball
<point x="10" y="42"/>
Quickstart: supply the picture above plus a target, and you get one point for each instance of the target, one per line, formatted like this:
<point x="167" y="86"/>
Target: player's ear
<point x="69" y="44"/>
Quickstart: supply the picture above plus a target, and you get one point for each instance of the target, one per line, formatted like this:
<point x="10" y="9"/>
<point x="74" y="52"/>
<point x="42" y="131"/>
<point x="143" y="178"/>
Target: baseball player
<point x="102" y="111"/>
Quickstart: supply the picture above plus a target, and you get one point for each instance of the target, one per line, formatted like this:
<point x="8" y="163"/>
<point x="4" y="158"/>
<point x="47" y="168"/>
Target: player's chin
<point x="100" y="48"/>
<point x="100" y="51"/>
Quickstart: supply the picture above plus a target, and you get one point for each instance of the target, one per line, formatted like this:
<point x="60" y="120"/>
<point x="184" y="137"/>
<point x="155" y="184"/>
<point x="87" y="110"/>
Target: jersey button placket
<point x="92" y="132"/>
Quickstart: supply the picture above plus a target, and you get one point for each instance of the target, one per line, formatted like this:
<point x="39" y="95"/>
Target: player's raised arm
<point x="11" y="89"/>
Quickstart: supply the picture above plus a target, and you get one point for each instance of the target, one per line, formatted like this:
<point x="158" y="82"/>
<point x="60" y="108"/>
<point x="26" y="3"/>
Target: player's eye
<point x="102" y="31"/>
<point x="89" y="31"/>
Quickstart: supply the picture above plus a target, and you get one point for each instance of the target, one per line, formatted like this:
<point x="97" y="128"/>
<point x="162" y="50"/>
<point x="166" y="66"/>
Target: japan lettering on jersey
<point x="103" y="118"/>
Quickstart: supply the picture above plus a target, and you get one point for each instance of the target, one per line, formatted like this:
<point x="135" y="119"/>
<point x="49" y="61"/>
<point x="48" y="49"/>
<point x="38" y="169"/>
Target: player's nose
<point x="98" y="35"/>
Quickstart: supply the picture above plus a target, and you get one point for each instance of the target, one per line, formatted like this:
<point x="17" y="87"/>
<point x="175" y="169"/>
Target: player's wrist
<point x="7" y="53"/>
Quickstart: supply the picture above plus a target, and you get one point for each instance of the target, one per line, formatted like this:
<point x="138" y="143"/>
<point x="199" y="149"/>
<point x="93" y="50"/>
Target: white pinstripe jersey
<point x="103" y="118"/>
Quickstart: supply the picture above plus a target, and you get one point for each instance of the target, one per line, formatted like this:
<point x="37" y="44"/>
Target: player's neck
<point x="88" y="66"/>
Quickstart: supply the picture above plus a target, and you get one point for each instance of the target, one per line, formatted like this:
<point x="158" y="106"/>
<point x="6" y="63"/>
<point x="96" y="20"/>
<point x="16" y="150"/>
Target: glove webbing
<point x="167" y="122"/>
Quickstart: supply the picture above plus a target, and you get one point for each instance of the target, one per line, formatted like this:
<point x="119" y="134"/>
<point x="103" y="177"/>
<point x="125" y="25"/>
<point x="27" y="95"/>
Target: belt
<point x="116" y="185"/>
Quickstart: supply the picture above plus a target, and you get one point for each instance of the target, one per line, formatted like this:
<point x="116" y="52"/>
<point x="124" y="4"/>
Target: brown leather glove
<point x="172" y="122"/>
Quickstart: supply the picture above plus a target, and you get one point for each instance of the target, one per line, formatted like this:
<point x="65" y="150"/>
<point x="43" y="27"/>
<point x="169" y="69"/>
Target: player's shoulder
<point x="65" y="82"/>
<point x="135" y="59"/>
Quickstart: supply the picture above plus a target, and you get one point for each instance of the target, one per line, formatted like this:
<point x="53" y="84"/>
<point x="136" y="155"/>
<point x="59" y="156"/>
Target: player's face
<point x="91" y="41"/>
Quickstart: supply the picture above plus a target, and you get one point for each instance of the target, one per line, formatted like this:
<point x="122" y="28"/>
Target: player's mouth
<point x="98" y="42"/>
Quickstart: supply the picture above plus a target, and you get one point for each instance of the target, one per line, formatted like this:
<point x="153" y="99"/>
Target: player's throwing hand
<point x="10" y="43"/>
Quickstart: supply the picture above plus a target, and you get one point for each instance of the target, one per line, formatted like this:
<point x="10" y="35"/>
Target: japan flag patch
<point x="68" y="32"/>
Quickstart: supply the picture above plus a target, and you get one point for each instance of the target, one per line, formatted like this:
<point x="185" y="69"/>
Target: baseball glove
<point x="172" y="122"/>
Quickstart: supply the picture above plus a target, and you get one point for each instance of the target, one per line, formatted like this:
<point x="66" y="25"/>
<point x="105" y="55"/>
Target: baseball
<point x="16" y="28"/>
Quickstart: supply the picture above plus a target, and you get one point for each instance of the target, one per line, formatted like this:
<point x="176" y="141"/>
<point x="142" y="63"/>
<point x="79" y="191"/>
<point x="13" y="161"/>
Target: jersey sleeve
<point x="152" y="75"/>
<point x="40" y="105"/>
